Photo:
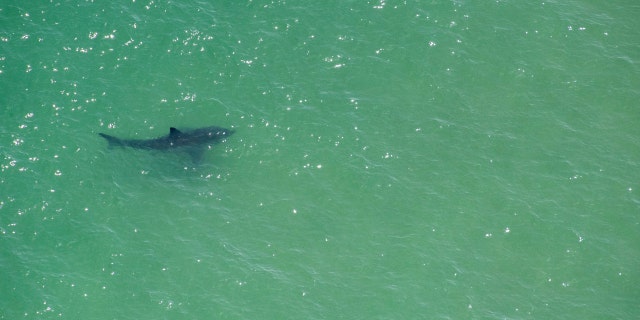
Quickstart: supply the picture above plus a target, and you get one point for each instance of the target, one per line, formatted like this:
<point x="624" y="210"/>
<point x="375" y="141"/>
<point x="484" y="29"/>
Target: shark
<point x="193" y="141"/>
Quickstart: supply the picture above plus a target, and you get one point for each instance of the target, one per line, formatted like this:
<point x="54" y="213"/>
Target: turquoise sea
<point x="391" y="160"/>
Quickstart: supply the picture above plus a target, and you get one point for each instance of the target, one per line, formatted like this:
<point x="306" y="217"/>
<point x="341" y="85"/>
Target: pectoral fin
<point x="196" y="154"/>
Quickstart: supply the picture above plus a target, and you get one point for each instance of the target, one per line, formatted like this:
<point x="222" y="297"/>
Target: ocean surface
<point x="391" y="160"/>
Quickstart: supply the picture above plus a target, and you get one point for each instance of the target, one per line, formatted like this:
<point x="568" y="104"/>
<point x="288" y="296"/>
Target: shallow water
<point x="391" y="160"/>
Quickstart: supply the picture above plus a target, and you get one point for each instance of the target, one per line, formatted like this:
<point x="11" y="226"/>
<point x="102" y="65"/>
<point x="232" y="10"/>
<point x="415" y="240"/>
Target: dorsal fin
<point x="173" y="131"/>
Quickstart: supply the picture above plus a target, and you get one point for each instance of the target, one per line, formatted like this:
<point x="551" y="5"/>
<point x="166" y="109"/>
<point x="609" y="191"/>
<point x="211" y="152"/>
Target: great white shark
<point x="194" y="141"/>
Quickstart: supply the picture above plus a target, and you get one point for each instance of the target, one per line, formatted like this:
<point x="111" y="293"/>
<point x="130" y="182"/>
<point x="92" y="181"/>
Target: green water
<point x="392" y="160"/>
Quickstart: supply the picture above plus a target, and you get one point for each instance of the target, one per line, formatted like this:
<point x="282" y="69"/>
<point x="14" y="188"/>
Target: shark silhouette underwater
<point x="194" y="142"/>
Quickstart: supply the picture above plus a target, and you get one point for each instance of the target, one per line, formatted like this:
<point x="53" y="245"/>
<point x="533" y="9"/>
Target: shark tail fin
<point x="113" y="141"/>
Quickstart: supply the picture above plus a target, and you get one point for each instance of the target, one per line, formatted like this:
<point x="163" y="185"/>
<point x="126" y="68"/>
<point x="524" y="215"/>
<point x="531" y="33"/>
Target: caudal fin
<point x="113" y="141"/>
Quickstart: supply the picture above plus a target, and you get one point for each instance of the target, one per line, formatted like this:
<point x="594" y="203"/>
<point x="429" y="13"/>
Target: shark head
<point x="199" y="136"/>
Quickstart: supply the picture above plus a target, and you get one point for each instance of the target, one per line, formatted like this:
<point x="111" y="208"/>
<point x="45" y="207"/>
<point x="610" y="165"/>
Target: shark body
<point x="193" y="141"/>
